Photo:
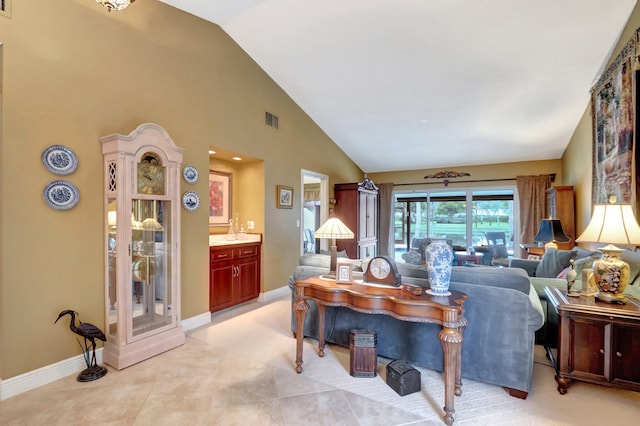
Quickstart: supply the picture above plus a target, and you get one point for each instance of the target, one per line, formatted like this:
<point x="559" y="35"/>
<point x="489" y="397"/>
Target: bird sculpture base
<point x="92" y="373"/>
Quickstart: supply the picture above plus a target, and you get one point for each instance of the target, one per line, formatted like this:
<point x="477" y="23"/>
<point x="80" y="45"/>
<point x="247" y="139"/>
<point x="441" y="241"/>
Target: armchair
<point x="497" y="244"/>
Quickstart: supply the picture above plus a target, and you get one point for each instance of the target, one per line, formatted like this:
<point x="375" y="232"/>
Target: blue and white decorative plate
<point x="191" y="201"/>
<point x="190" y="174"/>
<point x="61" y="195"/>
<point x="60" y="160"/>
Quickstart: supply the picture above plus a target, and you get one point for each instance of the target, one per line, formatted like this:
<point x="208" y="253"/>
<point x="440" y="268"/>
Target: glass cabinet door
<point x="112" y="271"/>
<point x="150" y="258"/>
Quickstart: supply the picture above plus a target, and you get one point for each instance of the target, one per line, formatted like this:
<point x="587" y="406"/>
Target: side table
<point x="596" y="341"/>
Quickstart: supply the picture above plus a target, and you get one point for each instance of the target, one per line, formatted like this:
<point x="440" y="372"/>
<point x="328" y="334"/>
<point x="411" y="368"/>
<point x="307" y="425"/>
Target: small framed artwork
<point x="219" y="198"/>
<point x="284" y="197"/>
<point x="533" y="257"/>
<point x="344" y="273"/>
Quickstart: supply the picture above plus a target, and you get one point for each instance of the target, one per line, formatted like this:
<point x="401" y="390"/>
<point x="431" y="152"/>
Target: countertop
<point x="241" y="238"/>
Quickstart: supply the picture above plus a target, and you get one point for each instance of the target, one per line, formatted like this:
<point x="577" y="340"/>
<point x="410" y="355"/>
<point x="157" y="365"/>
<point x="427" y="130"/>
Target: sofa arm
<point x="528" y="265"/>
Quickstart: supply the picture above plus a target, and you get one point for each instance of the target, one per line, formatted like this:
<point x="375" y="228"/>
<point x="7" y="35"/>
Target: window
<point x="463" y="216"/>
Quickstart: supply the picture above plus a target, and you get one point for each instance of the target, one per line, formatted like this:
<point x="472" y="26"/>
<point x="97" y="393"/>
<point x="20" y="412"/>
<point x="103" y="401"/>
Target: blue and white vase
<point x="439" y="257"/>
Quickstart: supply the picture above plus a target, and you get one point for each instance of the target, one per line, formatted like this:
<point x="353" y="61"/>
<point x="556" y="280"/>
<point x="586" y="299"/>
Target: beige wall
<point x="72" y="73"/>
<point x="577" y="161"/>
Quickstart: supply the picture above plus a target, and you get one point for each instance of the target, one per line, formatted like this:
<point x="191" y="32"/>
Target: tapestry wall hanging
<point x="613" y="105"/>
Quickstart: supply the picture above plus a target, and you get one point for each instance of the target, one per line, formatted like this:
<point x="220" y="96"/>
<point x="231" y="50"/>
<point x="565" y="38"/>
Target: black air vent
<point x="271" y="120"/>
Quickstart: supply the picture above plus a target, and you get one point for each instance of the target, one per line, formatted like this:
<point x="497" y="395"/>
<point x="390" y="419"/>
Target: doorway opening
<point x="314" y="196"/>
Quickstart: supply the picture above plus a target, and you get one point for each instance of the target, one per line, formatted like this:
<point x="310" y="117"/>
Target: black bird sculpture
<point x="89" y="332"/>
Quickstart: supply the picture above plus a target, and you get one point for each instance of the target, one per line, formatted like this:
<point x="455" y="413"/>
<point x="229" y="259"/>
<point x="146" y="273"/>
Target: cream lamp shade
<point x="333" y="229"/>
<point x="611" y="224"/>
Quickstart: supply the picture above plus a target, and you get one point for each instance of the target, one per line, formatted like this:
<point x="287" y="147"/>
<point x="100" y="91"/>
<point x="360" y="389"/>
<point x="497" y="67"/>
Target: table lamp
<point x="611" y="224"/>
<point x="333" y="229"/>
<point x="549" y="232"/>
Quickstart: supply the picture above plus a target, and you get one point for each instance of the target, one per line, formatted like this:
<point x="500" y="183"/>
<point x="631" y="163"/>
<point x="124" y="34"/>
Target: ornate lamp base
<point x="92" y="373"/>
<point x="611" y="275"/>
<point x="611" y="298"/>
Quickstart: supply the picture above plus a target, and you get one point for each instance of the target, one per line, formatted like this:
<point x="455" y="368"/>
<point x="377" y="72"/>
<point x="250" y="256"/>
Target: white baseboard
<point x="274" y="295"/>
<point x="47" y="374"/>
<point x="25" y="382"/>
<point x="196" y="321"/>
<point x="30" y="380"/>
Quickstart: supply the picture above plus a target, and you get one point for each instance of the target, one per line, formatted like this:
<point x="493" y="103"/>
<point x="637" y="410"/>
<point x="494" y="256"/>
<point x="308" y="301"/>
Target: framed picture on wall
<point x="284" y="197"/>
<point x="219" y="198"/>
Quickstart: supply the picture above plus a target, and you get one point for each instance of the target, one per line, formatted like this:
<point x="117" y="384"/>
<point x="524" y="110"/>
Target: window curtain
<point x="533" y="206"/>
<point x="385" y="238"/>
<point x="312" y="192"/>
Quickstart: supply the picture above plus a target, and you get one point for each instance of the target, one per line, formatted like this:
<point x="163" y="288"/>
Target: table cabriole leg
<point x="321" y="343"/>
<point x="458" y="389"/>
<point x="301" y="307"/>
<point x="451" y="342"/>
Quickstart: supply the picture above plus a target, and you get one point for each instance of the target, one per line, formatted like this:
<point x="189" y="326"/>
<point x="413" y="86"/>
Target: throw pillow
<point x="581" y="253"/>
<point x="563" y="274"/>
<point x="584" y="263"/>
<point x="553" y="262"/>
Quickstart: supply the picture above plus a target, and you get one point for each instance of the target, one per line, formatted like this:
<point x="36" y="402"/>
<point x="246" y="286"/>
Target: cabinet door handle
<point x="618" y="354"/>
<point x="221" y="255"/>
<point x="602" y="351"/>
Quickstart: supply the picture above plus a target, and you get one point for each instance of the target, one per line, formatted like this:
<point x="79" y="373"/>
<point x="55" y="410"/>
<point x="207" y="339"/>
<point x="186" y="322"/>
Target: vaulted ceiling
<point x="415" y="84"/>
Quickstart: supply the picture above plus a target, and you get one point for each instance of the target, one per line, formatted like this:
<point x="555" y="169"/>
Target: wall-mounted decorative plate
<point x="190" y="174"/>
<point x="61" y="195"/>
<point x="191" y="201"/>
<point x="60" y="160"/>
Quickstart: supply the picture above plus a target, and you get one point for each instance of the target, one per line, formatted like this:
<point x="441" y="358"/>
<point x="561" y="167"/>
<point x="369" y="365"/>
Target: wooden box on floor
<point x="402" y="377"/>
<point x="363" y="353"/>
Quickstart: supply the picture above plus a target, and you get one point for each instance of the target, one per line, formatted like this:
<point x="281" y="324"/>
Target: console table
<point x="447" y="311"/>
<point x="598" y="342"/>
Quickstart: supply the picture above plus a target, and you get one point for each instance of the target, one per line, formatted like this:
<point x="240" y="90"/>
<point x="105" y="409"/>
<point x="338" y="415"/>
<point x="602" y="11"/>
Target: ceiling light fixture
<point x="237" y="158"/>
<point x="115" y="4"/>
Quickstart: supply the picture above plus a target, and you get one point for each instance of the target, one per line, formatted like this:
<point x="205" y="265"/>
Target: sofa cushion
<point x="412" y="270"/>
<point x="514" y="278"/>
<point x="553" y="262"/>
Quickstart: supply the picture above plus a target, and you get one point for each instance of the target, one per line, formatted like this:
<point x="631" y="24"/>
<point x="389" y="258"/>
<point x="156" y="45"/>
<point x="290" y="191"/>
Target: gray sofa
<point x="550" y="271"/>
<point x="502" y="310"/>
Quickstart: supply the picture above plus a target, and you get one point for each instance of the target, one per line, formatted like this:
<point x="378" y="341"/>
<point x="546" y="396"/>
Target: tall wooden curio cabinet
<point x="142" y="253"/>
<point x="357" y="207"/>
